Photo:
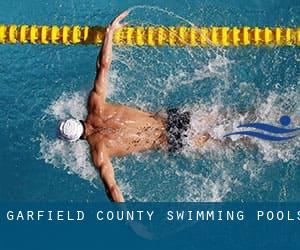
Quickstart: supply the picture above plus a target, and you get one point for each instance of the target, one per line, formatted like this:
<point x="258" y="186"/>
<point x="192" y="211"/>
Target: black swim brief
<point x="177" y="125"/>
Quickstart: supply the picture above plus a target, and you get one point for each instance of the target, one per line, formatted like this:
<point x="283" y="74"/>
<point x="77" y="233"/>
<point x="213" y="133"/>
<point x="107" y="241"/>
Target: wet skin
<point x="123" y="130"/>
<point x="118" y="130"/>
<point x="112" y="129"/>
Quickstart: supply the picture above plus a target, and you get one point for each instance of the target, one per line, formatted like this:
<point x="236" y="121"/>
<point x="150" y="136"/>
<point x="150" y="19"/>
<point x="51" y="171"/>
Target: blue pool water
<point x="42" y="84"/>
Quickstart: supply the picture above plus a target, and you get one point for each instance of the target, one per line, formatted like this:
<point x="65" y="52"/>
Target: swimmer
<point x="114" y="130"/>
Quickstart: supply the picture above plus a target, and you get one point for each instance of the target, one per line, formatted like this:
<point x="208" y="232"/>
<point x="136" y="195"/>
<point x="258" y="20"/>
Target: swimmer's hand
<point x="115" y="24"/>
<point x="105" y="57"/>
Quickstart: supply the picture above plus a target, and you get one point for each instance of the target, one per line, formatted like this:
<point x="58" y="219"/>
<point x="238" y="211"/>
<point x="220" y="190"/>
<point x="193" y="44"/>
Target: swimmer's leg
<point x="200" y="140"/>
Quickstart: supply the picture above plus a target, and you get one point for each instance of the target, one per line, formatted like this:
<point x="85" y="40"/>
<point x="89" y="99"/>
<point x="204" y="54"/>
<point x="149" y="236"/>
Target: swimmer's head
<point x="70" y="130"/>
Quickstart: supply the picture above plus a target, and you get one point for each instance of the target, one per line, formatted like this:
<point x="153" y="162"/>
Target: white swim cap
<point x="70" y="130"/>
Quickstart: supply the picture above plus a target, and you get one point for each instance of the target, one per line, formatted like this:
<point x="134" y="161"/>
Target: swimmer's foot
<point x="200" y="140"/>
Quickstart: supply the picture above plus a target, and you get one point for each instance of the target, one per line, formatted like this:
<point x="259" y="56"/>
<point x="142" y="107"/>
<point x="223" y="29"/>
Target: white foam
<point x="214" y="118"/>
<point x="72" y="157"/>
<point x="271" y="110"/>
<point x="68" y="105"/>
<point x="216" y="121"/>
<point x="174" y="182"/>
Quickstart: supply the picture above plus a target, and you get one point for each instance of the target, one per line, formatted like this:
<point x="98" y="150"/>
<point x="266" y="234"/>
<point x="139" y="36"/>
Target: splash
<point x="68" y="105"/>
<point x="74" y="157"/>
<point x="217" y="120"/>
<point x="192" y="184"/>
<point x="219" y="89"/>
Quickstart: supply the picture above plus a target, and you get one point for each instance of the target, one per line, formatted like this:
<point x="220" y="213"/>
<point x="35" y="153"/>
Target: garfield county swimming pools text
<point x="150" y="215"/>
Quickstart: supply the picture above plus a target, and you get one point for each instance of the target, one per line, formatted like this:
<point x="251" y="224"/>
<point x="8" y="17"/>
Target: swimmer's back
<point x="126" y="130"/>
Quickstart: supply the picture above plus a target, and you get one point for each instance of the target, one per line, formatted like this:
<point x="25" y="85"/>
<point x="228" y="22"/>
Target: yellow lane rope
<point x="152" y="35"/>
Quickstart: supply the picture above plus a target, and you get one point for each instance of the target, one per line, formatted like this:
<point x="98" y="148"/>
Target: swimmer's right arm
<point x="103" y="164"/>
<point x="105" y="56"/>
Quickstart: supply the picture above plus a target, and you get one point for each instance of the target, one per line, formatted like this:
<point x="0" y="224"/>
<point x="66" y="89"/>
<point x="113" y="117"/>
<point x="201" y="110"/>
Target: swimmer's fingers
<point x="115" y="24"/>
<point x="122" y="25"/>
<point x="122" y="16"/>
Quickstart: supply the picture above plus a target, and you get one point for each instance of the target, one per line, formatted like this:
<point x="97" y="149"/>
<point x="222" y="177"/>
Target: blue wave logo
<point x="279" y="133"/>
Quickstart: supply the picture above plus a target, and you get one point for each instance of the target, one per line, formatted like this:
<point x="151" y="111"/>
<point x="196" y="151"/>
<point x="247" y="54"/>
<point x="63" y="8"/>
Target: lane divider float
<point x="152" y="35"/>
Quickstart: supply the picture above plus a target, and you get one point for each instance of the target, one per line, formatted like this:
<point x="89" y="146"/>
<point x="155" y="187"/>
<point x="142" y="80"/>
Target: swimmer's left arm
<point x="103" y="164"/>
<point x="105" y="56"/>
